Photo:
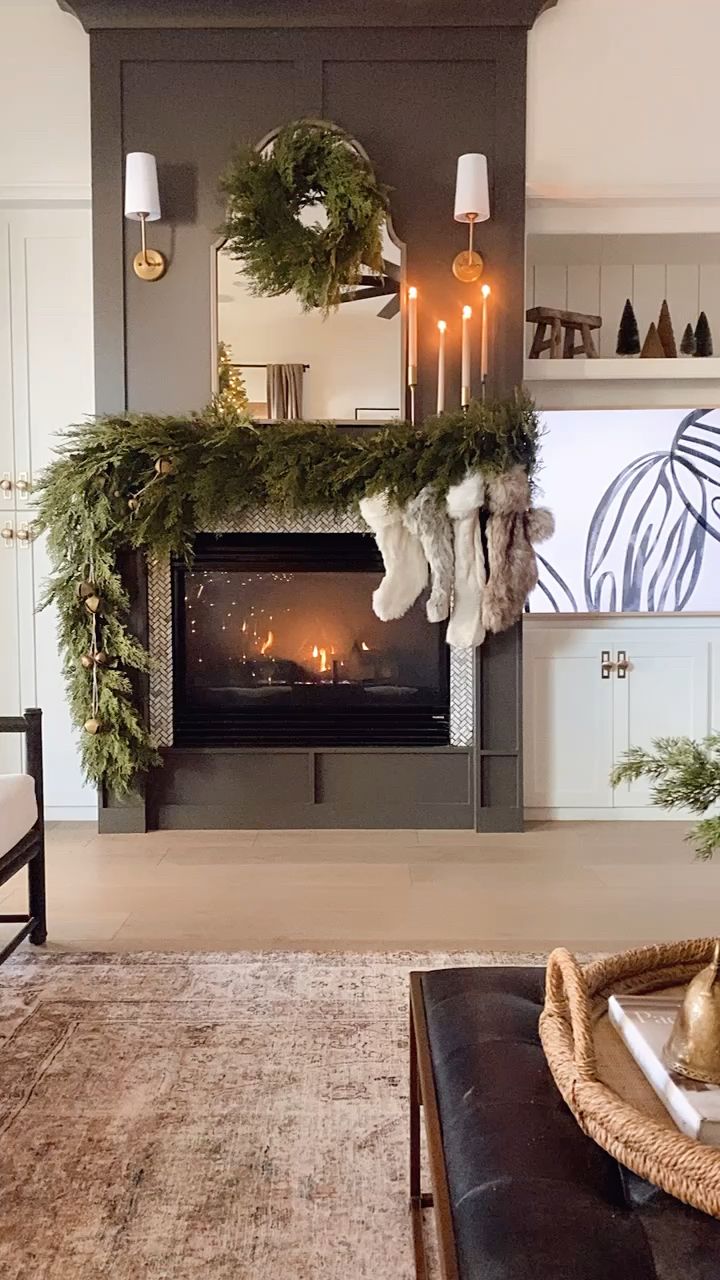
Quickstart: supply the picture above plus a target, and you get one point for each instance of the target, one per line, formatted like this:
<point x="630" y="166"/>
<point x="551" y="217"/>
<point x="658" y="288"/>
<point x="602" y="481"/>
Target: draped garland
<point x="148" y="483"/>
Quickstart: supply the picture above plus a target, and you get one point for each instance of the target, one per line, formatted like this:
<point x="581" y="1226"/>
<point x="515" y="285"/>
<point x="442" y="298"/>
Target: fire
<point x="322" y="654"/>
<point x="270" y="638"/>
<point x="365" y="647"/>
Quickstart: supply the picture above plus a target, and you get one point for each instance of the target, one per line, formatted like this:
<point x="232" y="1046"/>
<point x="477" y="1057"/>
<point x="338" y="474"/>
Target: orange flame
<point x="264" y="647"/>
<point x="324" y="666"/>
<point x="365" y="647"/>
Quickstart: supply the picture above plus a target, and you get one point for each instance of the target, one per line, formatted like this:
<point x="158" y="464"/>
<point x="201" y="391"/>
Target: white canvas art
<point x="636" y="498"/>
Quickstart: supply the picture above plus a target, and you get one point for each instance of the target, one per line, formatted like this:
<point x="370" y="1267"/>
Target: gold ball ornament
<point x="92" y="725"/>
<point x="164" y="466"/>
<point x="86" y="589"/>
<point x="87" y="661"/>
<point x="133" y="504"/>
<point x="100" y="658"/>
<point x="92" y="604"/>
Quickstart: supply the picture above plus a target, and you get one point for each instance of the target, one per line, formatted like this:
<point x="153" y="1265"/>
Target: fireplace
<point x="275" y="644"/>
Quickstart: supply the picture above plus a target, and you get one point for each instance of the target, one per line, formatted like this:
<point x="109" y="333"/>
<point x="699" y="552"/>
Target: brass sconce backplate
<point x="149" y="264"/>
<point x="468" y="266"/>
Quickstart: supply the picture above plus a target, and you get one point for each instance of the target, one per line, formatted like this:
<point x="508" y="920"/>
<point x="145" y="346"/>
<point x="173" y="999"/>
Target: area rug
<point x="235" y="1117"/>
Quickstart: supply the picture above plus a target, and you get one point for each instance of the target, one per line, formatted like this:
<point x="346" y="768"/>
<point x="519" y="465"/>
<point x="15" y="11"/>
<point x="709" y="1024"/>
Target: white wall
<point x="44" y="102"/>
<point x="622" y="96"/>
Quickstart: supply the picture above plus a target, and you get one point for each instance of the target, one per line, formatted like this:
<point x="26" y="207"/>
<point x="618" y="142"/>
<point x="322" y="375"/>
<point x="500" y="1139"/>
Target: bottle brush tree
<point x="685" y="775"/>
<point x="703" y="336"/>
<point x="652" y="348"/>
<point x="687" y="345"/>
<point x="628" y="339"/>
<point x="665" y="331"/>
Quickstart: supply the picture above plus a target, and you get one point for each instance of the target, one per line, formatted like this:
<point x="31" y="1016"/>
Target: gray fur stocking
<point x="427" y="520"/>
<point x="511" y="530"/>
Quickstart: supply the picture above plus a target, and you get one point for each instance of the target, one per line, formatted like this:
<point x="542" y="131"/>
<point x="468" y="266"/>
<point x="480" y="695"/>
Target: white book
<point x="645" y="1023"/>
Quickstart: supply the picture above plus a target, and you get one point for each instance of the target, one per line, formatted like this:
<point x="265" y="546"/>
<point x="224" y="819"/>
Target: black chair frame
<point x="30" y="850"/>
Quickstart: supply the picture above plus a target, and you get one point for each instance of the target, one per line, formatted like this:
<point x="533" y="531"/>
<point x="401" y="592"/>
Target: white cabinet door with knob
<point x="594" y="686"/>
<point x="664" y="691"/>
<point x="568" y="717"/>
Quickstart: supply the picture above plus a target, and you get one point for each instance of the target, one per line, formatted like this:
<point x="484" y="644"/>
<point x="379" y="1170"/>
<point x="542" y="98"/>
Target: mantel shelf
<point x="628" y="369"/>
<point x="624" y="383"/>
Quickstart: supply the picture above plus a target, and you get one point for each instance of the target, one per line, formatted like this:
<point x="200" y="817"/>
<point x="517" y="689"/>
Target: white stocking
<point x="464" y="500"/>
<point x="406" y="569"/>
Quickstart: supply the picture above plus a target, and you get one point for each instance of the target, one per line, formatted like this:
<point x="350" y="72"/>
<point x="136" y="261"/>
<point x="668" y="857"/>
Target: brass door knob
<point x="24" y="534"/>
<point x="7" y="533"/>
<point x="22" y="485"/>
<point x="6" y="484"/>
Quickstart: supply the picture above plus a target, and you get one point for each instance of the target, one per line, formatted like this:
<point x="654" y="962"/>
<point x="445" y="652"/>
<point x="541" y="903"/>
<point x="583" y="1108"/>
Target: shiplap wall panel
<point x="683" y="290"/>
<point x="616" y="286"/>
<point x="648" y="293"/>
<point x="710" y="297"/>
<point x="550" y="286"/>
<point x="583" y="293"/>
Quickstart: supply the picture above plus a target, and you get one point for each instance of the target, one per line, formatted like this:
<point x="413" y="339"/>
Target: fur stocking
<point x="406" y="570"/>
<point x="465" y="629"/>
<point x="511" y="530"/>
<point x="428" y="521"/>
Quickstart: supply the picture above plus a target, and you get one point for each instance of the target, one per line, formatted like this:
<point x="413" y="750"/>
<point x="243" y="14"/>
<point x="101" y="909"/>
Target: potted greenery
<point x="685" y="775"/>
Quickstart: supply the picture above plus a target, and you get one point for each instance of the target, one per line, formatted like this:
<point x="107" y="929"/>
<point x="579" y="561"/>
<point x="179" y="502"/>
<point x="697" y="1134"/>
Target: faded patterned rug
<point x="182" y="1117"/>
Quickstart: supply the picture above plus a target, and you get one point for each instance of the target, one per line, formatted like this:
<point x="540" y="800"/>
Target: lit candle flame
<point x="486" y="291"/>
<point x="467" y="313"/>
<point x="365" y="647"/>
<point x="442" y="325"/>
<point x="264" y="647"/>
<point x="324" y="660"/>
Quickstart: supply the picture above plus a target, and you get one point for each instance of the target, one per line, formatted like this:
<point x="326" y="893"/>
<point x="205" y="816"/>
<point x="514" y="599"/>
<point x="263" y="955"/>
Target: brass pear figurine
<point x="693" y="1049"/>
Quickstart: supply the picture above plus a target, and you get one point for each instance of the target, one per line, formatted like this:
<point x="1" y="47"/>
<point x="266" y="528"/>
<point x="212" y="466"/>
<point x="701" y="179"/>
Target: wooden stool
<point x="571" y="322"/>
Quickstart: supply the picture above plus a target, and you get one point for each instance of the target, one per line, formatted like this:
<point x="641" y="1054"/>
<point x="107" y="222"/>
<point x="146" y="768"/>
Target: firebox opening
<point x="275" y="644"/>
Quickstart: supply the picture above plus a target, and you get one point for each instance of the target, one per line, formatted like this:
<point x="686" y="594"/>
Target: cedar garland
<point x="149" y="483"/>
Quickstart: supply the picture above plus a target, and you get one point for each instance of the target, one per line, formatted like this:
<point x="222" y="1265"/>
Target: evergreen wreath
<point x="149" y="484"/>
<point x="310" y="161"/>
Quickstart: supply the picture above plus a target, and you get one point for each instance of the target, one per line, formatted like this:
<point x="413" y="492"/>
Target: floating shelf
<point x="624" y="383"/>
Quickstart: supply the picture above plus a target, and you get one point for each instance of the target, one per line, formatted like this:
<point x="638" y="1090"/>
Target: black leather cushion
<point x="532" y="1197"/>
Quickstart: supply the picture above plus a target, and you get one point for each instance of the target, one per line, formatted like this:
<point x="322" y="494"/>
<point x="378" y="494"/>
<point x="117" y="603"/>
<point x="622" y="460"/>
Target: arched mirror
<point x="346" y="366"/>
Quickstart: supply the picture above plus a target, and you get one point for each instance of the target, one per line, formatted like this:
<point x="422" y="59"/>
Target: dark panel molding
<point x="205" y="14"/>
<point x="417" y="82"/>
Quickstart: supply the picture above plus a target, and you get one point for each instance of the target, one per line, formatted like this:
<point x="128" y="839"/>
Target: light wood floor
<point x="592" y="886"/>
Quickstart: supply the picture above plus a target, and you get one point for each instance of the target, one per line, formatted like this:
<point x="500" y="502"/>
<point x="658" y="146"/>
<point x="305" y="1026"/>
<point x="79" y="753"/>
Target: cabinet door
<point x="568" y="718"/>
<point x="11" y="745"/>
<point x="51" y="316"/>
<point x="665" y="692"/>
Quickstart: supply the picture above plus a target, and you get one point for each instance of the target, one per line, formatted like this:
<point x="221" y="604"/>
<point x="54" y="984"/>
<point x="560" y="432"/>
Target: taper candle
<point x="442" y="328"/>
<point x="412" y="336"/>
<point x="484" y="340"/>
<point x="465" y="376"/>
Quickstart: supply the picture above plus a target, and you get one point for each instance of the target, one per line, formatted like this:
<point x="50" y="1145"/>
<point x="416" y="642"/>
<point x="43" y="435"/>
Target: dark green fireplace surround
<point x="417" y="82"/>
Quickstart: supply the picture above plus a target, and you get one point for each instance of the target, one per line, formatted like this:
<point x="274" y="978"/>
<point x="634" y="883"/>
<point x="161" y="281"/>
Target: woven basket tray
<point x="598" y="1079"/>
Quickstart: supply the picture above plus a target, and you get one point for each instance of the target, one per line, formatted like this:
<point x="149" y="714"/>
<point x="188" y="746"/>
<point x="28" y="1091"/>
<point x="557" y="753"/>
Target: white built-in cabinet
<point x="593" y="686"/>
<point x="46" y="382"/>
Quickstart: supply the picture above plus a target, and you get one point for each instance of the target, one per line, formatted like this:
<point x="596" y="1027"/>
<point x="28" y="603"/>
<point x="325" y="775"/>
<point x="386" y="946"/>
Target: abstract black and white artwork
<point x="636" y="498"/>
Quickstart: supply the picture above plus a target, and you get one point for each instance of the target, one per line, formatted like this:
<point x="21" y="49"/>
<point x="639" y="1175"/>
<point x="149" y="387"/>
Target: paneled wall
<point x="597" y="273"/>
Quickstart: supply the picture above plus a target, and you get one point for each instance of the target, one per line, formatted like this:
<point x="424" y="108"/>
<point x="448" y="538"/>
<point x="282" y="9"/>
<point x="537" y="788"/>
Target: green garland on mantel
<point x="151" y="483"/>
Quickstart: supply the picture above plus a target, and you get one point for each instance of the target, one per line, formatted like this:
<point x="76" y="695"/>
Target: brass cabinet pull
<point x="7" y="533"/>
<point x="6" y="485"/>
<point x="24" y="533"/>
<point x="622" y="666"/>
<point x="606" y="665"/>
<point x="22" y="484"/>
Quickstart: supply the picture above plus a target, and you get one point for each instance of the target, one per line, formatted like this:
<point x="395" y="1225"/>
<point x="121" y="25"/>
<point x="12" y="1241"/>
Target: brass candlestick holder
<point x="693" y="1049"/>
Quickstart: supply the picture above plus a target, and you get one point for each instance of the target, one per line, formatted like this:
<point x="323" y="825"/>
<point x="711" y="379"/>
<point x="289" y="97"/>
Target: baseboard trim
<point x="603" y="815"/>
<point x="71" y="813"/>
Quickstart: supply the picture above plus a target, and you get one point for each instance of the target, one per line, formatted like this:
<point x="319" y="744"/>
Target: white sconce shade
<point x="141" y="187"/>
<point x="472" y="197"/>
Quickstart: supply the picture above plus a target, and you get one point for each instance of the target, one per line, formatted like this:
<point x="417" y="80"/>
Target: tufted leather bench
<point x="519" y="1191"/>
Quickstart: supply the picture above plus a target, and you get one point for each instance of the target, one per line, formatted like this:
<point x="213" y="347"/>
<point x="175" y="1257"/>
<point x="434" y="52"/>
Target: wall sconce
<point x="142" y="204"/>
<point x="472" y="204"/>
